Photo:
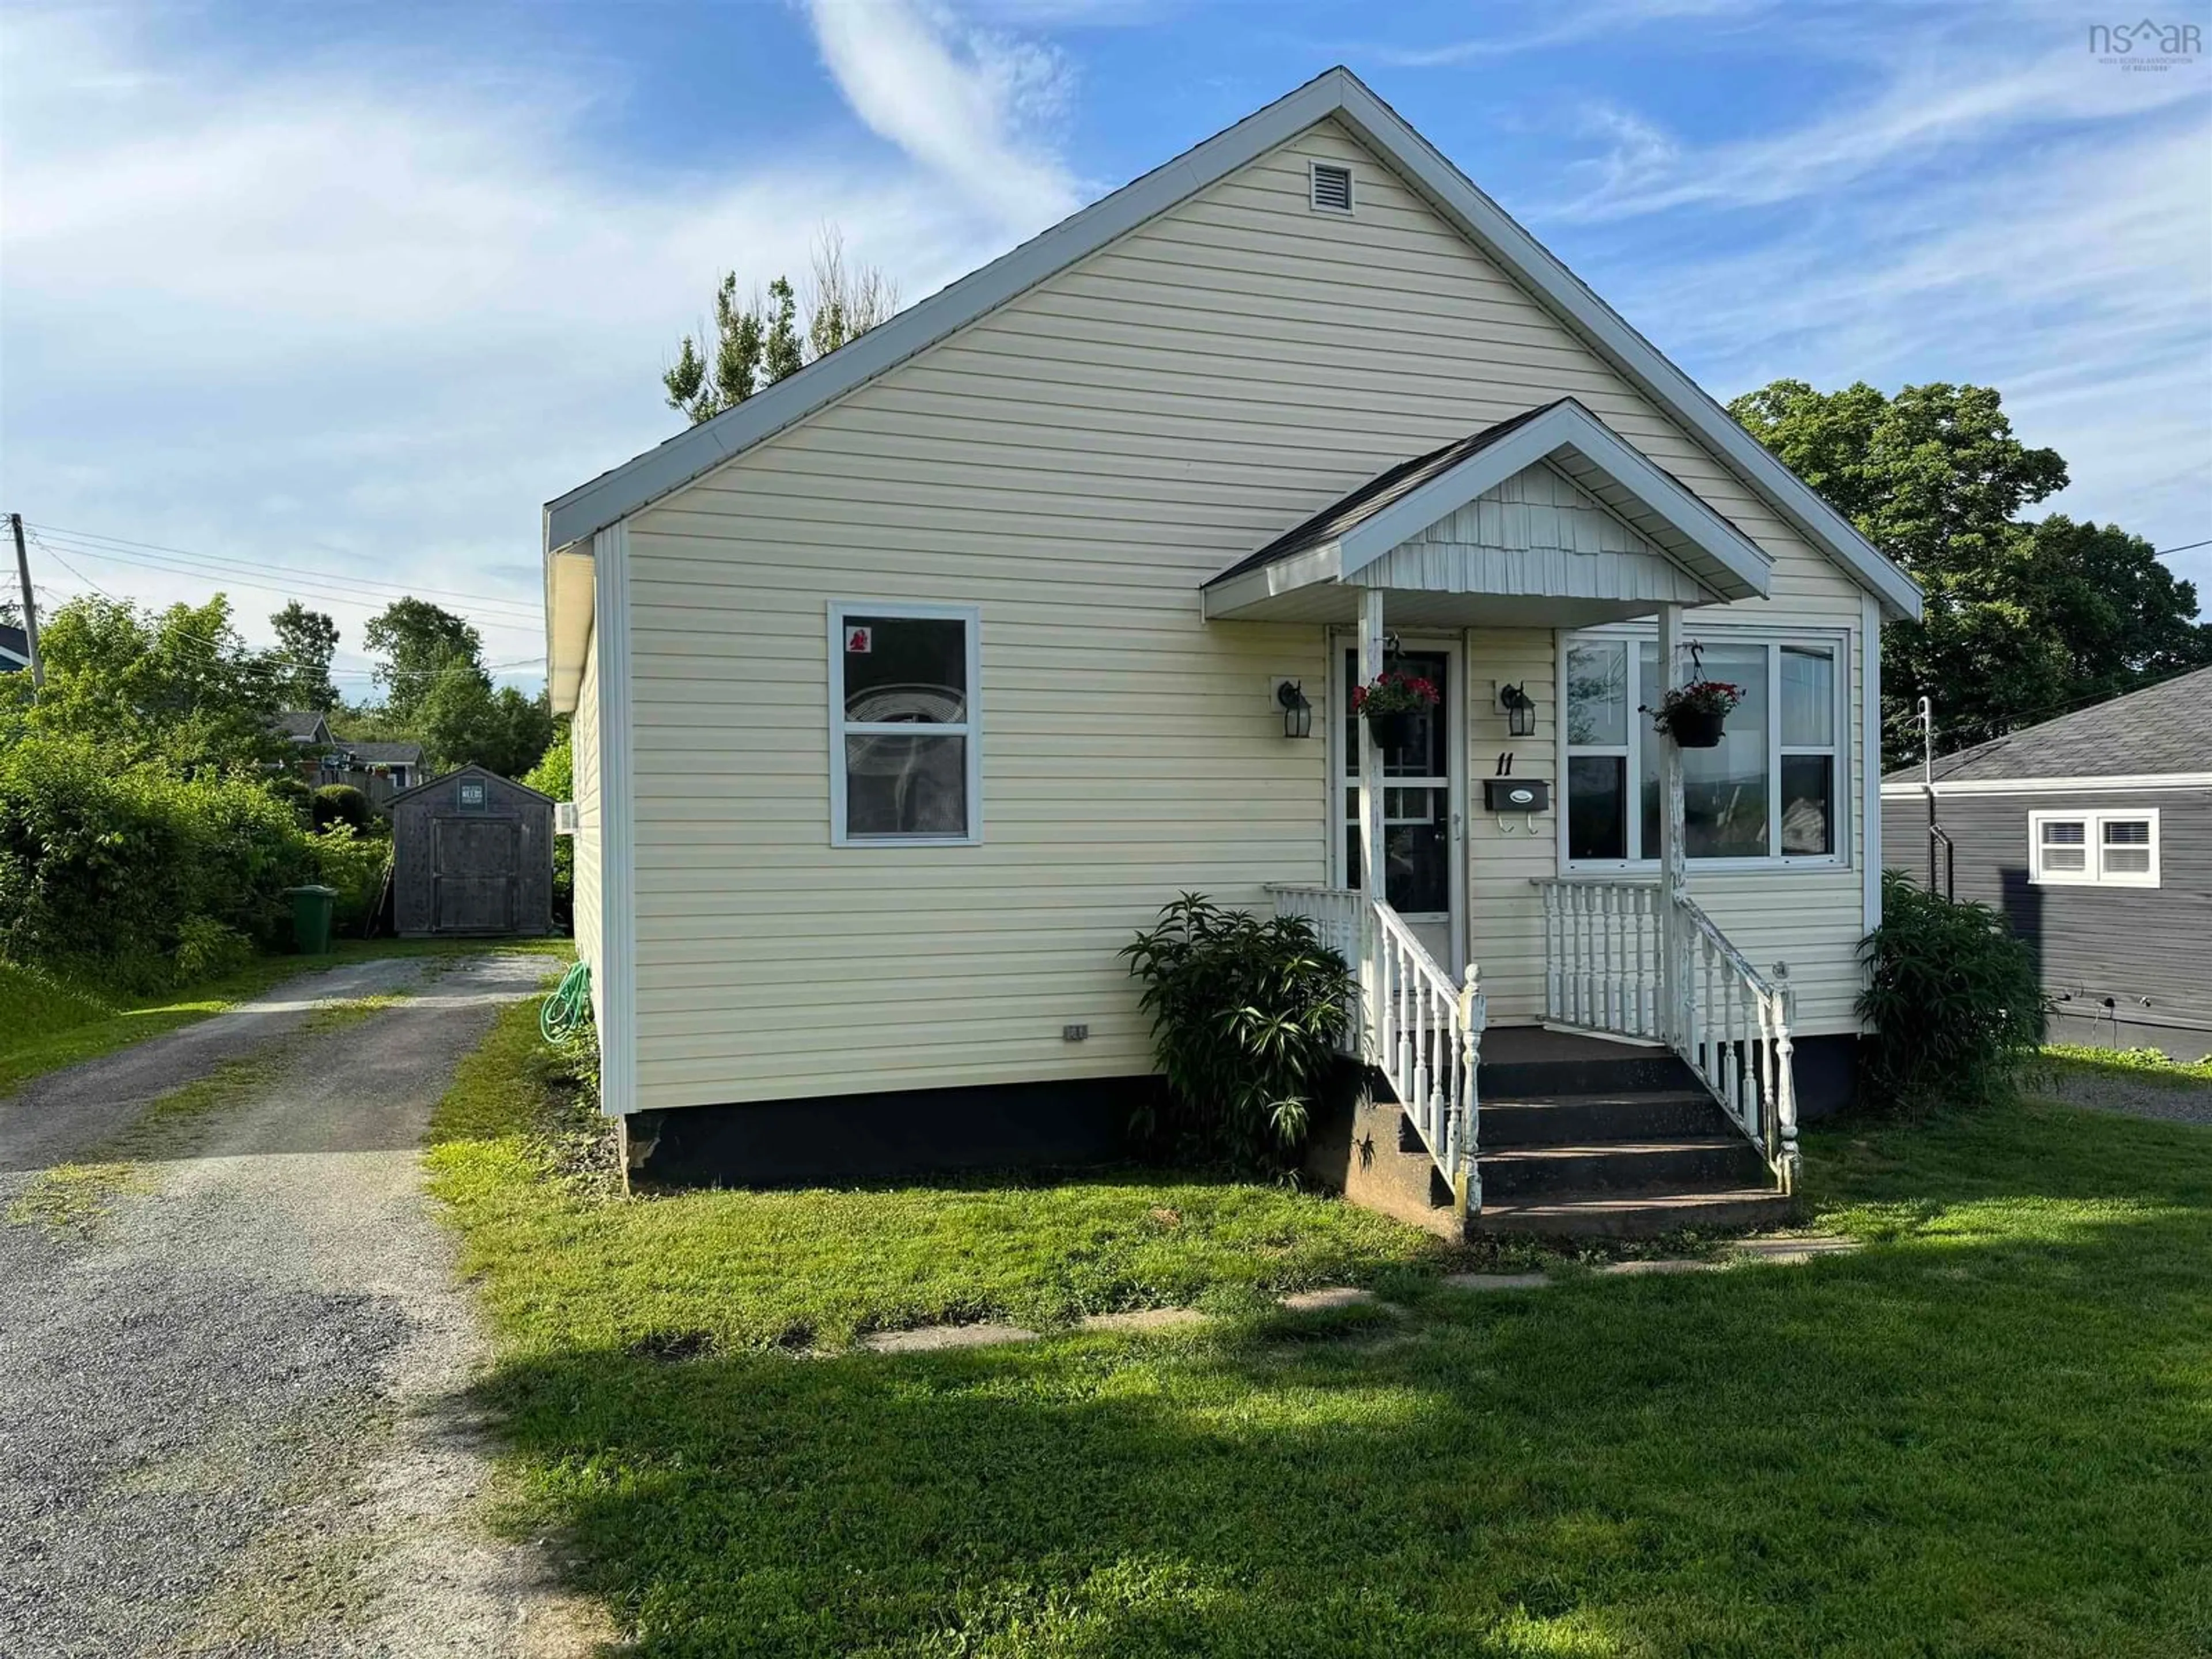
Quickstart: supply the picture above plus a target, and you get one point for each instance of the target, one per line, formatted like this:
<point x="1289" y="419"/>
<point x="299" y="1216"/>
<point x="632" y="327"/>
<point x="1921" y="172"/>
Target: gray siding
<point x="2133" y="945"/>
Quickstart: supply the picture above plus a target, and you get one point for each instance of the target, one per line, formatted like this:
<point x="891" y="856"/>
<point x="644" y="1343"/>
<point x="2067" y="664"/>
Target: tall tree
<point x="2022" y="621"/>
<point x="418" y="640"/>
<point x="463" y="720"/>
<point x="755" y="344"/>
<point x="305" y="640"/>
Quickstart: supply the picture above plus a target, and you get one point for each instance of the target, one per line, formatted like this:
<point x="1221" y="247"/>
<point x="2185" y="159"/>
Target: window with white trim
<point x="905" y="760"/>
<point x="2094" y="849"/>
<point x="1772" y="792"/>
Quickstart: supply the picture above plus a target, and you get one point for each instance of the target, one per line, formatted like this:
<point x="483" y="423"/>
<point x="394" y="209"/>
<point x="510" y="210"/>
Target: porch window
<point x="2094" y="849"/>
<point x="905" y="766"/>
<point x="1771" y="791"/>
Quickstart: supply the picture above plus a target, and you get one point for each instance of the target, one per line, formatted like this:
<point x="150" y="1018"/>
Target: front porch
<point x="1681" y="1111"/>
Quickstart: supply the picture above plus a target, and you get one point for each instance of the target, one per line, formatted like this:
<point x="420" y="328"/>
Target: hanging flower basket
<point x="1695" y="715"/>
<point x="1389" y="704"/>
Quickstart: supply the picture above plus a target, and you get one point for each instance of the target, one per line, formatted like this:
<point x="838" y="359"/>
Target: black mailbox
<point x="1516" y="794"/>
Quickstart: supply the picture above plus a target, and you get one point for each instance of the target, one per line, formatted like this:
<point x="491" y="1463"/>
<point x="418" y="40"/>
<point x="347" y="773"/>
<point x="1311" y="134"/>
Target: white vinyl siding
<point x="584" y="755"/>
<point x="1075" y="465"/>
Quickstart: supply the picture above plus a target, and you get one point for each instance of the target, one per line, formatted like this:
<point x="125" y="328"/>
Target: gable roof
<point x="15" y="647"/>
<point x="2163" y="729"/>
<point x="299" y="723"/>
<point x="386" y="754"/>
<point x="1336" y="92"/>
<point x="1409" y="497"/>
<point x="481" y="771"/>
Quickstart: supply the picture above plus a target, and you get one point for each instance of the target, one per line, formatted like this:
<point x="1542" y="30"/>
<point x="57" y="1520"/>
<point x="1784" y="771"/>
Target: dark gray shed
<point x="471" y="854"/>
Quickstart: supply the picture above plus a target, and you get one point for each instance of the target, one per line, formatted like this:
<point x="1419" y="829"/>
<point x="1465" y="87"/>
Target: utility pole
<point x="30" y="604"/>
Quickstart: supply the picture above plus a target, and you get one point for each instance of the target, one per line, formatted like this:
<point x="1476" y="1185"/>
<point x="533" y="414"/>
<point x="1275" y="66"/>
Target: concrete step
<point x="1631" y="1215"/>
<point x="1600" y="1068"/>
<point x="1568" y="1120"/>
<point x="1686" y="1164"/>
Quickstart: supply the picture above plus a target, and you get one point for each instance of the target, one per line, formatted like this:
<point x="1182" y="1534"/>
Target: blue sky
<point x="357" y="287"/>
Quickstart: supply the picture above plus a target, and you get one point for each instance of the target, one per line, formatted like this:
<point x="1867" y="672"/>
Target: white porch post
<point x="1673" y="966"/>
<point x="1371" y="863"/>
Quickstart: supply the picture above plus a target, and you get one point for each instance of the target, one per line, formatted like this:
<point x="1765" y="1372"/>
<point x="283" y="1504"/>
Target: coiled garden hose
<point x="569" y="1006"/>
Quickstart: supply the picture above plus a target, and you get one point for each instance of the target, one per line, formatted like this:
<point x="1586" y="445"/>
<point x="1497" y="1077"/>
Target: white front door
<point x="1424" y="799"/>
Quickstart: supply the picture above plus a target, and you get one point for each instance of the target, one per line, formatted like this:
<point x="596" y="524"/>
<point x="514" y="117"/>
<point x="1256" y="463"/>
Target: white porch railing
<point x="1736" y="1036"/>
<point x="1606" y="970"/>
<point x="1414" y="1024"/>
<point x="1602" y="968"/>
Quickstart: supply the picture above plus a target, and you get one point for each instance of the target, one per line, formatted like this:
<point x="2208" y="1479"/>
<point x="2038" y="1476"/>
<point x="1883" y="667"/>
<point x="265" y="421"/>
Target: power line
<point x="89" y="536"/>
<point x="2186" y="547"/>
<point x="208" y="652"/>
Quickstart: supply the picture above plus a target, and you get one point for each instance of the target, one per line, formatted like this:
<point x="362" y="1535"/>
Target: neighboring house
<point x="380" y="770"/>
<point x="399" y="763"/>
<point x="908" y="690"/>
<point x="304" y="727"/>
<point x="2093" y="832"/>
<point x="14" y="649"/>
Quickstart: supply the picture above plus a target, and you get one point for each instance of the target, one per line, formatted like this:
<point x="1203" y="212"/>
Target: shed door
<point x="475" y="873"/>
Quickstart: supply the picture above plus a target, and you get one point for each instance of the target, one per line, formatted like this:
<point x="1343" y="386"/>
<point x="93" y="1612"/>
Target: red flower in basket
<point x="1394" y="694"/>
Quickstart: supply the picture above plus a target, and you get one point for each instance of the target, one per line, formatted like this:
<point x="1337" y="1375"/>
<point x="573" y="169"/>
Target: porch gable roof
<point x="1335" y="544"/>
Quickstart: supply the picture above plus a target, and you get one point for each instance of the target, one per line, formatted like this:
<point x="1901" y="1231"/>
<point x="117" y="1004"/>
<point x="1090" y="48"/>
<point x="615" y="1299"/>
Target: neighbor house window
<point x="2094" y="849"/>
<point x="904" y="761"/>
<point x="1772" y="791"/>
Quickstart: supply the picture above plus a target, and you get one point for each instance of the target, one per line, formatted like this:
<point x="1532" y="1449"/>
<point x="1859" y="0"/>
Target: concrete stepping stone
<point x="931" y="1338"/>
<point x="1497" y="1281"/>
<point x="1144" y="1319"/>
<point x="1673" y="1264"/>
<point x="1793" y="1250"/>
<point x="1336" y="1295"/>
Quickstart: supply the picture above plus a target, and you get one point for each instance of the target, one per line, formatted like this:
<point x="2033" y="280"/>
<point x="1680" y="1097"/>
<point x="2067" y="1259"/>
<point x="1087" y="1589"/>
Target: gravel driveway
<point x="235" y="1366"/>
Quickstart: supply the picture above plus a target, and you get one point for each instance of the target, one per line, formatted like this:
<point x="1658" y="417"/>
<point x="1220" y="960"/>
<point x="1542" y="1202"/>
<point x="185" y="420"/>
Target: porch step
<point x="1686" y="1164"/>
<point x="1576" y="1065"/>
<point x="1633" y="1215"/>
<point x="1569" y="1119"/>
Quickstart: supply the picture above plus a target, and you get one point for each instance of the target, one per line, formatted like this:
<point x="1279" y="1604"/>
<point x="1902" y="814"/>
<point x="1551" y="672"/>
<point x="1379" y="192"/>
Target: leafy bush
<point x="1246" y="1015"/>
<point x="296" y="792"/>
<point x="1953" y="997"/>
<point x="555" y="775"/>
<point x="341" y="803"/>
<point x="354" y="865"/>
<point x="207" y="950"/>
<point x="101" y="865"/>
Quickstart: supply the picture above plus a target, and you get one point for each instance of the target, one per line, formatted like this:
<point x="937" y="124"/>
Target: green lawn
<point x="46" y="1024"/>
<point x="1988" y="1433"/>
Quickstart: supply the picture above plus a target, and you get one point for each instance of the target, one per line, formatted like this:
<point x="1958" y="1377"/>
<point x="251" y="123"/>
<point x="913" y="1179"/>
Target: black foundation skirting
<point x="839" y="1139"/>
<point x="1828" y="1073"/>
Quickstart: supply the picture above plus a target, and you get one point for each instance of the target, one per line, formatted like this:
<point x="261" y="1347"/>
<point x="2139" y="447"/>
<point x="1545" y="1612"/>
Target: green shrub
<point x="555" y="775"/>
<point x="101" y="865"/>
<point x="354" y="865"/>
<point x="1246" y="1014"/>
<point x="1955" y="999"/>
<point x="206" y="949"/>
<point x="341" y="803"/>
<point x="294" y="793"/>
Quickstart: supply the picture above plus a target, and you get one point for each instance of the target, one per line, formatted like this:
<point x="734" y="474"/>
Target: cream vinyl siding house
<point x="1068" y="467"/>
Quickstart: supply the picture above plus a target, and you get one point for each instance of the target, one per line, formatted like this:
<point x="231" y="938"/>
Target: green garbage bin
<point x="311" y="919"/>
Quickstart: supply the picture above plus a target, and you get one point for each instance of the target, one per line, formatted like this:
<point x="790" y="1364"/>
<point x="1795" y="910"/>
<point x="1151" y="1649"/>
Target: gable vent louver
<point x="1332" y="188"/>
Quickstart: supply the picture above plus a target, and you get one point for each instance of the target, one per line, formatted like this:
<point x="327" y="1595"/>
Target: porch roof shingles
<point x="1378" y="493"/>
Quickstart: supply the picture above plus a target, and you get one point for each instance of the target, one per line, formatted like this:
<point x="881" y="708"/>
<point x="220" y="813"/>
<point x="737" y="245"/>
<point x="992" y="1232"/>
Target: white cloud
<point x="2079" y="284"/>
<point x="963" y="104"/>
<point x="352" y="316"/>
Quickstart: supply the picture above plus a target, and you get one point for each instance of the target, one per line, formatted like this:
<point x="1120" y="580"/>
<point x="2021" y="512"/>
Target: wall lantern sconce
<point x="1520" y="708"/>
<point x="1298" y="712"/>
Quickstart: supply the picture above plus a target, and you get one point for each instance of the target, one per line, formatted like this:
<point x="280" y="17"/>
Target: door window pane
<point x="1809" y="805"/>
<point x="1426" y="751"/>
<point x="1597" y="693"/>
<point x="906" y="669"/>
<point x="1809" y="698"/>
<point x="1597" y="806"/>
<point x="906" y="786"/>
<point x="1725" y="790"/>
